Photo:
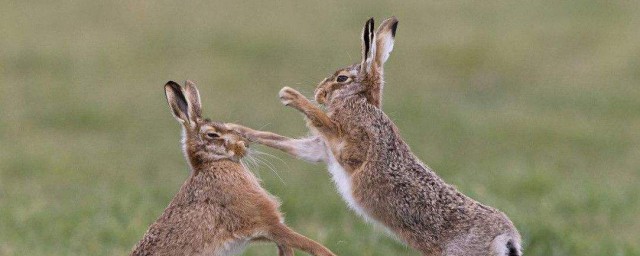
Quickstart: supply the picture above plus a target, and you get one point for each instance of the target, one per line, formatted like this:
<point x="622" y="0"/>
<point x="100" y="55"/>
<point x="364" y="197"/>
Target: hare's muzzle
<point x="239" y="148"/>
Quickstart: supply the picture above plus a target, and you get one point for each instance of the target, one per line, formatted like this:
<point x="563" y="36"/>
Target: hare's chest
<point x="352" y="149"/>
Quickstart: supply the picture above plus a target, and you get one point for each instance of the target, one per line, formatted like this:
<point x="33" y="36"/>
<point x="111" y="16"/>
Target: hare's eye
<point x="341" y="79"/>
<point x="213" y="135"/>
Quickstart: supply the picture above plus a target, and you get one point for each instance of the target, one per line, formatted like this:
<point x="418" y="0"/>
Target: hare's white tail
<point x="505" y="245"/>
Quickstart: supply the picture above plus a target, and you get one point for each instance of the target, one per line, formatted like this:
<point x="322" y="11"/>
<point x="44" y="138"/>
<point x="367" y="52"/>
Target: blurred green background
<point x="529" y="106"/>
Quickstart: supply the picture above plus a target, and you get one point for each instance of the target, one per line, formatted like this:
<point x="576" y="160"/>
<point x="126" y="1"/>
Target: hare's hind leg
<point x="284" y="236"/>
<point x="284" y="250"/>
<point x="317" y="118"/>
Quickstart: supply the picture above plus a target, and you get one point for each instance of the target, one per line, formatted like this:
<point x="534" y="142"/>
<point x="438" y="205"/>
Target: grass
<point x="531" y="107"/>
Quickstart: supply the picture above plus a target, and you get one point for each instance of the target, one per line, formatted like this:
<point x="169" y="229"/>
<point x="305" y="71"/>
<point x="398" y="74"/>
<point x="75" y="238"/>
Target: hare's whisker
<point x="266" y="163"/>
<point x="270" y="155"/>
<point x="350" y="58"/>
<point x="264" y="126"/>
<point x="252" y="159"/>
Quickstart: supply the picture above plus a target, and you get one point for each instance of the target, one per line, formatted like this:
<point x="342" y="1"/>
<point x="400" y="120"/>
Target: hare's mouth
<point x="241" y="153"/>
<point x="239" y="149"/>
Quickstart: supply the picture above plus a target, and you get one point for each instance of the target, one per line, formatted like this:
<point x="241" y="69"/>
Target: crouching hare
<point x="221" y="207"/>
<point x="374" y="169"/>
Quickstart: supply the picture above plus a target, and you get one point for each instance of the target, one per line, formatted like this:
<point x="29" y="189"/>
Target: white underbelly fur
<point x="229" y="248"/>
<point x="343" y="182"/>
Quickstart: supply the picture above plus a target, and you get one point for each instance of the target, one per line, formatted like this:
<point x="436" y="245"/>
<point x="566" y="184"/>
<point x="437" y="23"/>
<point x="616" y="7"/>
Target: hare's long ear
<point x="368" y="46"/>
<point x="193" y="99"/>
<point x="177" y="102"/>
<point x="384" y="40"/>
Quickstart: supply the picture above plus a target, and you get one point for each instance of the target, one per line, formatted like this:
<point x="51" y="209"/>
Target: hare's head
<point x="203" y="139"/>
<point x="364" y="78"/>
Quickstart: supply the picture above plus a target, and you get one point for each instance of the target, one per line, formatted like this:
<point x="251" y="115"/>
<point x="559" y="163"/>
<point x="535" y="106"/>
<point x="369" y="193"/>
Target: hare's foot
<point x="285" y="251"/>
<point x="284" y="236"/>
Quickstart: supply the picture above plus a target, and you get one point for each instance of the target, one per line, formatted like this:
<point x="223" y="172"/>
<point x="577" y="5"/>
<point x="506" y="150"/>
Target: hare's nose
<point x="242" y="144"/>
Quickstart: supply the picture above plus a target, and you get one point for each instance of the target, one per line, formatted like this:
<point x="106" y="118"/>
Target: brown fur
<point x="387" y="182"/>
<point x="221" y="207"/>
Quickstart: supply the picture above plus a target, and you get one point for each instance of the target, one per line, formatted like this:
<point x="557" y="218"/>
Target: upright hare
<point x="221" y="207"/>
<point x="374" y="169"/>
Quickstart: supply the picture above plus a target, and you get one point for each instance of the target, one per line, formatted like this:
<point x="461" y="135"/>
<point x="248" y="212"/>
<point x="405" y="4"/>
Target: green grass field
<point x="530" y="106"/>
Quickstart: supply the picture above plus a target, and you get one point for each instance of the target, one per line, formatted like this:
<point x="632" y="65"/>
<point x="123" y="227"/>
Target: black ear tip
<point x="172" y="84"/>
<point x="369" y="23"/>
<point x="394" y="26"/>
<point x="174" y="87"/>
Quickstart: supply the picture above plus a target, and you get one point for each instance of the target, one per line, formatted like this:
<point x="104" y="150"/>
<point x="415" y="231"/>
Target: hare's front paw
<point x="240" y="130"/>
<point x="236" y="128"/>
<point x="289" y="96"/>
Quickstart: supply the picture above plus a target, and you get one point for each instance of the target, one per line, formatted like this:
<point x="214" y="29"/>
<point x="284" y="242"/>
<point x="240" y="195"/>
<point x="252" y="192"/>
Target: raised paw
<point x="289" y="96"/>
<point x="234" y="127"/>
